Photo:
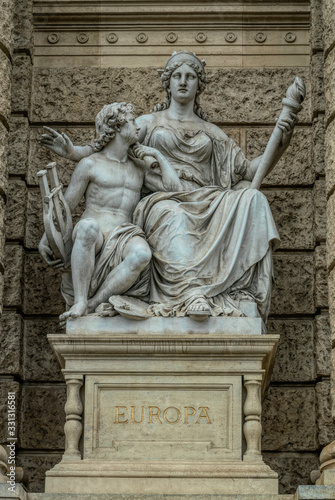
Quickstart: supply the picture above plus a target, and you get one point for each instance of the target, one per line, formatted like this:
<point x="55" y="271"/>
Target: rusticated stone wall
<point x="297" y="418"/>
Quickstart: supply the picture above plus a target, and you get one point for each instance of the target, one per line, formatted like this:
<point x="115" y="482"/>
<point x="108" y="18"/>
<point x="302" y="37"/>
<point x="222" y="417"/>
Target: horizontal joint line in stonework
<point x="290" y="385"/>
<point x="317" y="50"/>
<point x="41" y="451"/>
<point x="74" y="124"/>
<point x="287" y="187"/>
<point x="292" y="317"/>
<point x="289" y="454"/>
<point x="45" y="383"/>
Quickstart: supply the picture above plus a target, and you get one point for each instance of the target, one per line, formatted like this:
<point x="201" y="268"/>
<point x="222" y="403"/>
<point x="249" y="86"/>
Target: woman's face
<point x="183" y="84"/>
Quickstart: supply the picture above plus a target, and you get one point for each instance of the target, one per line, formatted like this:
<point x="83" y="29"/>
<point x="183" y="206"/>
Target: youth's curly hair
<point x="109" y="121"/>
<point x="165" y="77"/>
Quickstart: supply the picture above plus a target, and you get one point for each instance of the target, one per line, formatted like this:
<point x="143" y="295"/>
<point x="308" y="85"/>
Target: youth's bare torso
<point x="113" y="192"/>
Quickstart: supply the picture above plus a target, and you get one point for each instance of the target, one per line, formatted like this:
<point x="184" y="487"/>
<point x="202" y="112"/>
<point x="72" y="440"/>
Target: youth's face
<point x="184" y="84"/>
<point x="129" y="130"/>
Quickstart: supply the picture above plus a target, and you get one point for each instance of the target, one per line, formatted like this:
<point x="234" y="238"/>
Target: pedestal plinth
<point x="166" y="405"/>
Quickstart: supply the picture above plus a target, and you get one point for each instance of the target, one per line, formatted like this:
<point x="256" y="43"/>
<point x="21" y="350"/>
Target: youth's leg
<point x="136" y="257"/>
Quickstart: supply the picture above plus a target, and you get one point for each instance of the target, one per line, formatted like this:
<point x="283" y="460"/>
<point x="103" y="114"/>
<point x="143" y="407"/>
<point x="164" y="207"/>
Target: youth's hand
<point x="142" y="151"/>
<point x="60" y="144"/>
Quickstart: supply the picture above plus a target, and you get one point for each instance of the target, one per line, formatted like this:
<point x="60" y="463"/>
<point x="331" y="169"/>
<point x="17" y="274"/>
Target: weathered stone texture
<point x="325" y="425"/>
<point x="18" y="145"/>
<point x="234" y="95"/>
<point x="5" y="387"/>
<point x="23" y="25"/>
<point x="329" y="71"/>
<point x="41" y="287"/>
<point x="322" y="345"/>
<point x="2" y="232"/>
<point x="318" y="100"/>
<point x="6" y="24"/>
<point x="320" y="210"/>
<point x="293" y="214"/>
<point x="289" y="419"/>
<point x="34" y="225"/>
<point x="316" y="32"/>
<point x="293" y="469"/>
<point x="10" y="341"/>
<point x="321" y="285"/>
<point x="330" y="157"/>
<point x="42" y="428"/>
<point x="294" y="360"/>
<point x="5" y="78"/>
<point x="331" y="298"/>
<point x="13" y="275"/>
<point x="331" y="231"/>
<point x="35" y="466"/>
<point x="328" y="10"/>
<point x="295" y="166"/>
<point x="294" y="283"/>
<point x="3" y="158"/>
<point x="318" y="149"/>
<point x="22" y="73"/>
<point x="40" y="362"/>
<point x="39" y="156"/>
<point x="16" y="209"/>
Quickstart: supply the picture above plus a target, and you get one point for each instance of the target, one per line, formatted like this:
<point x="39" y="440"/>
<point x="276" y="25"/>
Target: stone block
<point x="329" y="71"/>
<point x="6" y="24"/>
<point x="320" y="210"/>
<point x="293" y="283"/>
<point x="295" y="166"/>
<point x="294" y="361"/>
<point x="16" y="209"/>
<point x="6" y="386"/>
<point x="316" y="33"/>
<point x="11" y="341"/>
<point x="318" y="101"/>
<point x="1" y="291"/>
<point x="5" y="78"/>
<point x="21" y="83"/>
<point x="331" y="300"/>
<point x="323" y="344"/>
<point x="318" y="149"/>
<point x="3" y="158"/>
<point x="330" y="157"/>
<point x="39" y="156"/>
<point x="321" y="278"/>
<point x="293" y="214"/>
<point x="289" y="419"/>
<point x="23" y="25"/>
<point x="325" y="425"/>
<point x="293" y="469"/>
<point x="34" y="216"/>
<point x="18" y="145"/>
<point x="2" y="231"/>
<point x="41" y="287"/>
<point x="35" y="466"/>
<point x="328" y="11"/>
<point x="40" y="427"/>
<point x="331" y="231"/>
<point x="233" y="95"/>
<point x="13" y="275"/>
<point x="40" y="362"/>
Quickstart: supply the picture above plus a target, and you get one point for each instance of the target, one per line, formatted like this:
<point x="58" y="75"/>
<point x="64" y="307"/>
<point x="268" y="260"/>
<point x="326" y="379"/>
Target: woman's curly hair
<point x="109" y="121"/>
<point x="165" y="77"/>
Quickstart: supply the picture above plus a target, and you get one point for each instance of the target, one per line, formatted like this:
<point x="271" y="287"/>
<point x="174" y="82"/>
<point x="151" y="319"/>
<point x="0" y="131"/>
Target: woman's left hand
<point x="286" y="125"/>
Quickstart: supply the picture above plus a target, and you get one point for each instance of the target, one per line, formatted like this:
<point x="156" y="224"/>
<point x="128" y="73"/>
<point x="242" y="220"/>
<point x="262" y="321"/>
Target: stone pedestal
<point x="164" y="406"/>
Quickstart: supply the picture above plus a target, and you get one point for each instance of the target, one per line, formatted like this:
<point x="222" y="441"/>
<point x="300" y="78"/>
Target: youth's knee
<point x="87" y="231"/>
<point x="139" y="257"/>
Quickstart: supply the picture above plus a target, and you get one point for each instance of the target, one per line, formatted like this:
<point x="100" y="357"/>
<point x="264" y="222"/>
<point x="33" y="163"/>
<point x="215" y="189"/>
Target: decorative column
<point x="252" y="410"/>
<point x="73" y="427"/>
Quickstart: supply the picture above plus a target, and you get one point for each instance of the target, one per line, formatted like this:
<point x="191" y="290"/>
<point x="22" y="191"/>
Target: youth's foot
<point x="199" y="309"/>
<point x="77" y="310"/>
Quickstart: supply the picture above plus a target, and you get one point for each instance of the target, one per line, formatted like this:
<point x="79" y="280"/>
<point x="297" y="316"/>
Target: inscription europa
<point x="154" y="414"/>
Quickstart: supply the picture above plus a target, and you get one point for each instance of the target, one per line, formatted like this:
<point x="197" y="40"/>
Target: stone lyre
<point x="56" y="214"/>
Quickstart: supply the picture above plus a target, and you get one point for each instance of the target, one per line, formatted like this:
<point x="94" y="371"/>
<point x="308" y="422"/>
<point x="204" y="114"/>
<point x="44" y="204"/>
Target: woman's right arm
<point x="62" y="145"/>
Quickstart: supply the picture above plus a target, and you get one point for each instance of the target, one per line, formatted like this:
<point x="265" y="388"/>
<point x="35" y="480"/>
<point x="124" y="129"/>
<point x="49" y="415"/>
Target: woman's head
<point x="177" y="60"/>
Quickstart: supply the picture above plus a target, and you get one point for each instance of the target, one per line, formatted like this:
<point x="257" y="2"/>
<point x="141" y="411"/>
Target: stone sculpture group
<point x="200" y="243"/>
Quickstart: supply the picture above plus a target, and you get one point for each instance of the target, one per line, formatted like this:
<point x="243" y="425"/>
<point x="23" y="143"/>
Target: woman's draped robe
<point x="207" y="240"/>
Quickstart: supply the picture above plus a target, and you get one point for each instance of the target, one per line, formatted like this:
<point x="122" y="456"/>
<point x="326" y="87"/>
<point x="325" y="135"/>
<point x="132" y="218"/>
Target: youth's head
<point x="111" y="120"/>
<point x="188" y="66"/>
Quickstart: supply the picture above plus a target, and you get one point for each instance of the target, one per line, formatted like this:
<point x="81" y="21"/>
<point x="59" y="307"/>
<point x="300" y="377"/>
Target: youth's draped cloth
<point x="207" y="240"/>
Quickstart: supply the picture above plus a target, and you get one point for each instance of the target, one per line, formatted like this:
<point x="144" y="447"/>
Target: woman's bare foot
<point x="77" y="310"/>
<point x="199" y="309"/>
